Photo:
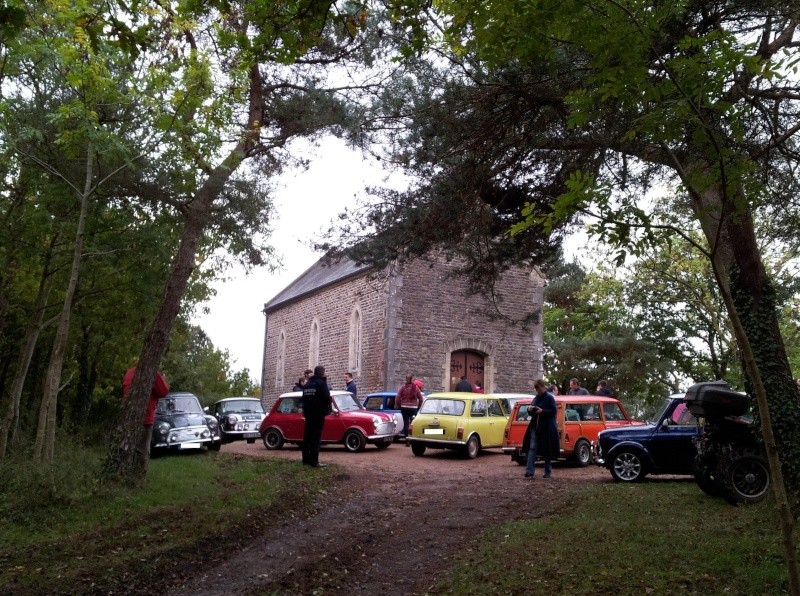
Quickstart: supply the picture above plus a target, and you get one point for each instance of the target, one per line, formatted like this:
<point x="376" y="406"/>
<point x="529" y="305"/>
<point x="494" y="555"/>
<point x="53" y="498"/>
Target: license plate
<point x="251" y="435"/>
<point x="433" y="431"/>
<point x="183" y="446"/>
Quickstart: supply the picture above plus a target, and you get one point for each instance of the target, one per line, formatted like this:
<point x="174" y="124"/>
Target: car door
<point x="497" y="419"/>
<point x="289" y="418"/>
<point x="672" y="447"/>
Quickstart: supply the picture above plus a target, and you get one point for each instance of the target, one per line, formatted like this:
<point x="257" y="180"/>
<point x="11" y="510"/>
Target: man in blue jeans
<point x="542" y="429"/>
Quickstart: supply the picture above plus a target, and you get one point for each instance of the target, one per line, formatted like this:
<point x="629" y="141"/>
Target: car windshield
<point x="659" y="413"/>
<point x="347" y="403"/>
<point x="248" y="406"/>
<point x="453" y="407"/>
<point x="182" y="404"/>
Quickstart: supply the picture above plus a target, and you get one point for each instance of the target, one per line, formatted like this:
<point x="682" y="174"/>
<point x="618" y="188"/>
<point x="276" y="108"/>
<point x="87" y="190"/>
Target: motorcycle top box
<point x="715" y="399"/>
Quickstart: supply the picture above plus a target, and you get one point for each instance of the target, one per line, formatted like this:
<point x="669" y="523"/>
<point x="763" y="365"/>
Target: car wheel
<point x="383" y="444"/>
<point x="628" y="466"/>
<point x="417" y="449"/>
<point x="273" y="439"/>
<point x="473" y="447"/>
<point x="520" y="458"/>
<point x="706" y="477"/>
<point x="745" y="477"/>
<point x="354" y="441"/>
<point x="583" y="453"/>
<point x="215" y="446"/>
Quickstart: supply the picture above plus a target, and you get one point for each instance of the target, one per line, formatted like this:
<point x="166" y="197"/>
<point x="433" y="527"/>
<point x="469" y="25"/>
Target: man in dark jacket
<point x="543" y="430"/>
<point x="464" y="385"/>
<point x="316" y="405"/>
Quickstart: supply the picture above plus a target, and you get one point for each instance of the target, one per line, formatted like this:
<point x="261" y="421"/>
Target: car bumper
<point x="192" y="437"/>
<point x="238" y="435"/>
<point x="435" y="443"/>
<point x="382" y="437"/>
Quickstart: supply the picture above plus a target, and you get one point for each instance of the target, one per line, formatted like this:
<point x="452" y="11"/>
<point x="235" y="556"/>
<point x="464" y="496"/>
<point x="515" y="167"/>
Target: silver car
<point x="239" y="418"/>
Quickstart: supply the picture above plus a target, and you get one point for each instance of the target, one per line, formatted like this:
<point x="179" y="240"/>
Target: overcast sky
<point x="306" y="202"/>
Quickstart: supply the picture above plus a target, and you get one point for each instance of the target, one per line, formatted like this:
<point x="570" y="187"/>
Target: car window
<point x="478" y="407"/>
<point x="682" y="416"/>
<point x="571" y="414"/>
<point x="289" y="405"/>
<point x="453" y="407"/>
<point x="495" y="409"/>
<point x="347" y="403"/>
<point x="522" y="414"/>
<point x="242" y="405"/>
<point x="184" y="404"/>
<point x="374" y="403"/>
<point x="612" y="411"/>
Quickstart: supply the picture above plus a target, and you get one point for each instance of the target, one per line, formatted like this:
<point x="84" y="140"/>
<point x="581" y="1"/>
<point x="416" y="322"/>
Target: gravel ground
<point x="391" y="526"/>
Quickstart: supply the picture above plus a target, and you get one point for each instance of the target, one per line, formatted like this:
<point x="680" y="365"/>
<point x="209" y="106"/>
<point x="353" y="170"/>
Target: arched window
<point x="280" y="360"/>
<point x="354" y="360"/>
<point x="313" y="344"/>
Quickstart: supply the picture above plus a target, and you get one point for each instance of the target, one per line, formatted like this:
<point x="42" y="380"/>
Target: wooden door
<point x="464" y="362"/>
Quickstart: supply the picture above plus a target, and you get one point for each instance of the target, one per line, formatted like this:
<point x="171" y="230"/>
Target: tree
<point x="586" y="106"/>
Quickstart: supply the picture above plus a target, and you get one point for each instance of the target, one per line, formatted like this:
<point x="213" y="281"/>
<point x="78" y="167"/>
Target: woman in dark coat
<point x="543" y="430"/>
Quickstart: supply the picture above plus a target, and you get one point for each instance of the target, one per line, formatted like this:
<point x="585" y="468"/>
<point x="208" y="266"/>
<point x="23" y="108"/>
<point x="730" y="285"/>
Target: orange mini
<point x="579" y="419"/>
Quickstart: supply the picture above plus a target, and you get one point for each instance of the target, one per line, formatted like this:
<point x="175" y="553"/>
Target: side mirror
<point x="665" y="423"/>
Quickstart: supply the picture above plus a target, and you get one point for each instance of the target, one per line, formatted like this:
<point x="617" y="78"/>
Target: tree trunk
<point x="728" y="226"/>
<point x="127" y="461"/>
<point x="10" y="418"/>
<point x="44" y="447"/>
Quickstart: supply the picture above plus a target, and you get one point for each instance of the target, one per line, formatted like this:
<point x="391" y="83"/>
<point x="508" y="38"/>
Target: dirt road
<point x="392" y="525"/>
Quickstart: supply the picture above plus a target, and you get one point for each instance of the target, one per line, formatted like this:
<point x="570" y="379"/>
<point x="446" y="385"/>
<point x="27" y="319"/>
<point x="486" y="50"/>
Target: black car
<point x="665" y="445"/>
<point x="181" y="424"/>
<point x="239" y="418"/>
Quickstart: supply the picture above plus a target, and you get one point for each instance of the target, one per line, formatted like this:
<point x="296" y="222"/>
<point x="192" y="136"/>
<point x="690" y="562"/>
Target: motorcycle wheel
<point x="704" y="475"/>
<point x="744" y="474"/>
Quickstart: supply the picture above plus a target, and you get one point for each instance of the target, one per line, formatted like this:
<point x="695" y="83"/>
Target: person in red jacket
<point x="408" y="399"/>
<point x="159" y="390"/>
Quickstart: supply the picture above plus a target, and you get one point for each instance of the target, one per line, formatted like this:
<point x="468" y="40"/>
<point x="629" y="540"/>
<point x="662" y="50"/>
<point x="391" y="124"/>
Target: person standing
<point x="408" y="399"/>
<point x="543" y="430"/>
<point x="160" y="389"/>
<point x="350" y="384"/>
<point x="576" y="389"/>
<point x="464" y="385"/>
<point x="316" y="405"/>
<point x="603" y="388"/>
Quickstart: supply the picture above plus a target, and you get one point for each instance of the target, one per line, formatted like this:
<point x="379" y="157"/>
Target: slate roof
<point x="321" y="274"/>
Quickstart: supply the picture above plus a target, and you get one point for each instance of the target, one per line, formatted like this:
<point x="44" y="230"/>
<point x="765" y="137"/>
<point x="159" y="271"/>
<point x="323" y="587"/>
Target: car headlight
<point x="212" y="422"/>
<point x="233" y="419"/>
<point x="161" y="429"/>
<point x="376" y="421"/>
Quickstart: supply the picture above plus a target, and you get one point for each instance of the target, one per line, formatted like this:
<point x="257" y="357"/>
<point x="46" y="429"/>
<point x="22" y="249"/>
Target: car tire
<point x="473" y="447"/>
<point x="383" y="444"/>
<point x="705" y="474"/>
<point x="417" y="449"/>
<point x="744" y="474"/>
<point x="215" y="446"/>
<point x="354" y="441"/>
<point x="273" y="439"/>
<point x="583" y="453"/>
<point x="628" y="466"/>
<point x="520" y="458"/>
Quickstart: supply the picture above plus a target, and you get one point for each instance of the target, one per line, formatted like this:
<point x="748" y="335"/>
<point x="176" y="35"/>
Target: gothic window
<point x="354" y="360"/>
<point x="313" y="344"/>
<point x="280" y="359"/>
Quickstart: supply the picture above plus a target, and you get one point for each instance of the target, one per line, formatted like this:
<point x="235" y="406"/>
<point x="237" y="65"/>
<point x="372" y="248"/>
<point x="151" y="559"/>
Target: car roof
<point x="236" y="398"/>
<point x="520" y="395"/>
<point x="300" y="394"/>
<point x="461" y="395"/>
<point x="382" y="393"/>
<point x="578" y="399"/>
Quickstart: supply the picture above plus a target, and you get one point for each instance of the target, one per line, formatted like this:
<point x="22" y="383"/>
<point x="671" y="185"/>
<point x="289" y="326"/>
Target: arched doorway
<point x="466" y="363"/>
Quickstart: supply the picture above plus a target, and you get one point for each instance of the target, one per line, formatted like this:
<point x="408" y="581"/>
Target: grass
<point x="63" y="532"/>
<point x="84" y="537"/>
<point x="660" y="537"/>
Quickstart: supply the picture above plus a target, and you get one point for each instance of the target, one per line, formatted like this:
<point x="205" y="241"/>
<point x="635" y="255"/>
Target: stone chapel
<point x="381" y="325"/>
